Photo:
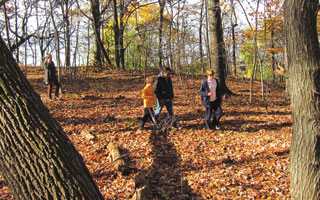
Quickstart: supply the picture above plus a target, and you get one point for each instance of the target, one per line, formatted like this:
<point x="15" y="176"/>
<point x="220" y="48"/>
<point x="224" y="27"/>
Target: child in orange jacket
<point x="148" y="97"/>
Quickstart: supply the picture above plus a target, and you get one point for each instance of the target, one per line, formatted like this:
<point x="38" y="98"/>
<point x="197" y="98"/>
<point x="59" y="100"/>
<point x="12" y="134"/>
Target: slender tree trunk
<point x="38" y="161"/>
<point x="254" y="31"/>
<point x="16" y="29"/>
<point x="170" y="56"/>
<point x="7" y="25"/>
<point x="207" y="34"/>
<point x="76" y="49"/>
<point x="304" y="81"/>
<point x="273" y="60"/>
<point x="160" y="51"/>
<point x="121" y="35"/>
<point x="116" y="33"/>
<point x="66" y="23"/>
<point x="57" y="45"/>
<point x="200" y="36"/>
<point x="233" y="25"/>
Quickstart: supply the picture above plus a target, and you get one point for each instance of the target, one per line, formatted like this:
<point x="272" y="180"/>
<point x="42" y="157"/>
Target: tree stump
<point x="142" y="188"/>
<point x="116" y="157"/>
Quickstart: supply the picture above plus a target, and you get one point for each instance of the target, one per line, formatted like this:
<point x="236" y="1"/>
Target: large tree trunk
<point x="217" y="50"/>
<point x="95" y="10"/>
<point x="38" y="161"/>
<point x="304" y="83"/>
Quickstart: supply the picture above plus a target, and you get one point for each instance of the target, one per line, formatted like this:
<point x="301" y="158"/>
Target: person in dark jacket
<point x="164" y="93"/>
<point x="50" y="76"/>
<point x="211" y="99"/>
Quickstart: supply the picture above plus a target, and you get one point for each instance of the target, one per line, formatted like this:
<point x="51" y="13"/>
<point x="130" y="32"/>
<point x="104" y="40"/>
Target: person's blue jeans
<point x="169" y="105"/>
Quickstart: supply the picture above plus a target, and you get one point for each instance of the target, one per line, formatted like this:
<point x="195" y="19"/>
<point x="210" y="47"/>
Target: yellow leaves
<point x="144" y="14"/>
<point x="275" y="50"/>
<point x="247" y="159"/>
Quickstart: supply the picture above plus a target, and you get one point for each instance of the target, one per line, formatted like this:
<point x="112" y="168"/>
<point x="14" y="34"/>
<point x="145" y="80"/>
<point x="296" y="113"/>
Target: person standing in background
<point x="50" y="76"/>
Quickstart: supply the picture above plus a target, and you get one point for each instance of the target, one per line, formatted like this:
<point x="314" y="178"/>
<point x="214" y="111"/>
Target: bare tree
<point x="96" y="23"/>
<point x="254" y="34"/>
<point x="57" y="37"/>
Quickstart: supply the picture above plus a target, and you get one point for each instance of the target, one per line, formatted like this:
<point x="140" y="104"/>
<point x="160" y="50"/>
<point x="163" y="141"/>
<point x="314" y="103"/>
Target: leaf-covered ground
<point x="247" y="159"/>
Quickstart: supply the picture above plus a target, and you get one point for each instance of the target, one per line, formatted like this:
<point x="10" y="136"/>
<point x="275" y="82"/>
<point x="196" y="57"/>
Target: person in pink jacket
<point x="149" y="98"/>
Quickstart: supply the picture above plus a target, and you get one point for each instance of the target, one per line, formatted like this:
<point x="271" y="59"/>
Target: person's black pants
<point x="214" y="110"/>
<point x="148" y="114"/>
<point x="50" y="85"/>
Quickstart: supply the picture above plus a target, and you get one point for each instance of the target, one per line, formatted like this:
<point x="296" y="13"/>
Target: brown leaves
<point x="247" y="159"/>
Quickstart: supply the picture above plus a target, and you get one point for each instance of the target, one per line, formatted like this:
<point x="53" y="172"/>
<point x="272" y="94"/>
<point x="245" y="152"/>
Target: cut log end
<point x="116" y="156"/>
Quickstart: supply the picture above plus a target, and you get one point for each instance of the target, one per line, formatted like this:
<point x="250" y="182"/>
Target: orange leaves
<point x="247" y="159"/>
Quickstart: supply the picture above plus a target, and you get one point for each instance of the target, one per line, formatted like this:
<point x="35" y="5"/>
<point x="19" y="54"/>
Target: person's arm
<point x="219" y="92"/>
<point x="157" y="89"/>
<point x="172" y="93"/>
<point x="146" y="96"/>
<point x="143" y="95"/>
<point x="203" y="91"/>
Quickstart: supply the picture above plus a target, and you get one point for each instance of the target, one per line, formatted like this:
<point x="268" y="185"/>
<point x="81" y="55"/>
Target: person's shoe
<point x="155" y="126"/>
<point x="217" y="127"/>
<point x="177" y="127"/>
<point x="140" y="129"/>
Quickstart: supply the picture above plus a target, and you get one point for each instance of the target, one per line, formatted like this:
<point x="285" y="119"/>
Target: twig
<point x="125" y="155"/>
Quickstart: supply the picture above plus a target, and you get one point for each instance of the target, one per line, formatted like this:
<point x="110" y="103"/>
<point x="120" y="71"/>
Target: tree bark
<point x="95" y="10"/>
<point x="304" y="84"/>
<point x="217" y="49"/>
<point x="162" y="3"/>
<point x="38" y="161"/>
<point x="123" y="9"/>
<point x="116" y="34"/>
<point x="67" y="35"/>
<point x="233" y="25"/>
<point x="200" y="36"/>
<point x="56" y="31"/>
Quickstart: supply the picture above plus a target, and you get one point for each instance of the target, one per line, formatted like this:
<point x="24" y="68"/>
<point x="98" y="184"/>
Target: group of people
<point x="162" y="92"/>
<point x="210" y="92"/>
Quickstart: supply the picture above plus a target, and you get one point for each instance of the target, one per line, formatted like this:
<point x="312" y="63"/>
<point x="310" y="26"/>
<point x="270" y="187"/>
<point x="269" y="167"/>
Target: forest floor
<point x="247" y="159"/>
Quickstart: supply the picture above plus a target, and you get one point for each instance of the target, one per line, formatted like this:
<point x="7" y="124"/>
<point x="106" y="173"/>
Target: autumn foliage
<point x="247" y="159"/>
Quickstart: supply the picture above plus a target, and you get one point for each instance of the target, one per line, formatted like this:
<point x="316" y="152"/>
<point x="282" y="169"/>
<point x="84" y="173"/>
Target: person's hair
<point x="149" y="80"/>
<point x="168" y="70"/>
<point x="47" y="57"/>
<point x="210" y="72"/>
